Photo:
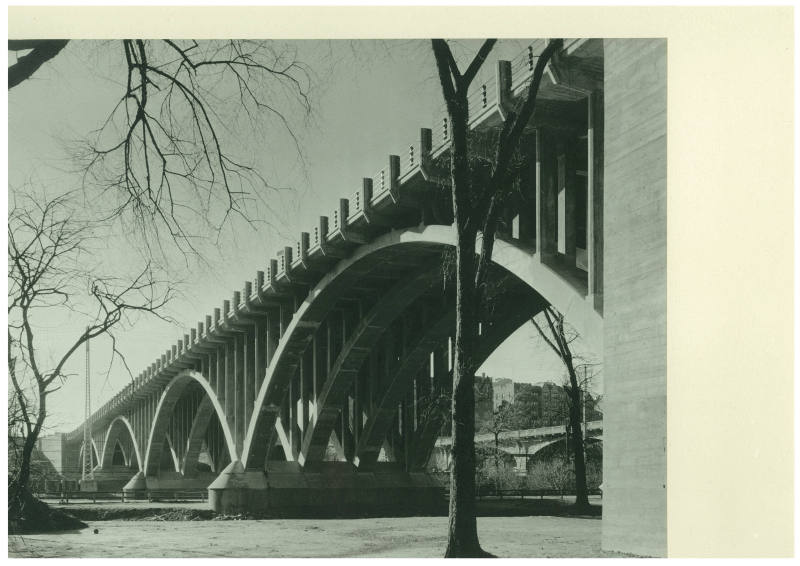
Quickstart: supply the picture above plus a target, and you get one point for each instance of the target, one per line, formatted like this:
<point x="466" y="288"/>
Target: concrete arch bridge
<point x="319" y="384"/>
<point x="523" y="445"/>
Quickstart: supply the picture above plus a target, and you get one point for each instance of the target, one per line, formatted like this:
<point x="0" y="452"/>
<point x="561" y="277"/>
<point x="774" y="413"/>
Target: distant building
<point x="539" y="404"/>
<point x="528" y="401"/>
<point x="46" y="459"/>
<point x="503" y="391"/>
<point x="51" y="448"/>
<point x="484" y="405"/>
<point x="553" y="403"/>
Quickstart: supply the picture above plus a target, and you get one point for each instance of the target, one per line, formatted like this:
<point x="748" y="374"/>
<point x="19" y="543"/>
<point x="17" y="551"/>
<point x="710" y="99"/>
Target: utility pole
<point x="86" y="472"/>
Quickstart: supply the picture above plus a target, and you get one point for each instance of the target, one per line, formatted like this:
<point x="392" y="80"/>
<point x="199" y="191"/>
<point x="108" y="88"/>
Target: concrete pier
<point x="328" y="489"/>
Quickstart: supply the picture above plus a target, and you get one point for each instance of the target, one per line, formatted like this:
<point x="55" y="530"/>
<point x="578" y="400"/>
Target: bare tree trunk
<point x="463" y="531"/>
<point x="462" y="539"/>
<point x="24" y="474"/>
<point x="472" y="210"/>
<point x="582" y="494"/>
<point x="559" y="343"/>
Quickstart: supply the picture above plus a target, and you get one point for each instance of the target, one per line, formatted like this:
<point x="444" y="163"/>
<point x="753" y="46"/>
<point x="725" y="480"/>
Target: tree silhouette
<point x="479" y="188"/>
<point x="160" y="152"/>
<point x="46" y="243"/>
<point x="558" y="337"/>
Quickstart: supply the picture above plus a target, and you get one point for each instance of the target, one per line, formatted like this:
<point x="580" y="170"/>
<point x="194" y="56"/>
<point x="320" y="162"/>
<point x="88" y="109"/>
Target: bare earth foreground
<point x="390" y="537"/>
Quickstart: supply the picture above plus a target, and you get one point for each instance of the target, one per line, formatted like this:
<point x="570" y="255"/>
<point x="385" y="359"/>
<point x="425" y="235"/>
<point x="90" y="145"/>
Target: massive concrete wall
<point x="635" y="261"/>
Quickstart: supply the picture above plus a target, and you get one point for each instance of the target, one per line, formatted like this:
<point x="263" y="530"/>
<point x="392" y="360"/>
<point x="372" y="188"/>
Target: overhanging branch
<point x="27" y="65"/>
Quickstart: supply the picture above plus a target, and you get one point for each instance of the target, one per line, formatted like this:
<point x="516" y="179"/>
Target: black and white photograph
<point x="338" y="297"/>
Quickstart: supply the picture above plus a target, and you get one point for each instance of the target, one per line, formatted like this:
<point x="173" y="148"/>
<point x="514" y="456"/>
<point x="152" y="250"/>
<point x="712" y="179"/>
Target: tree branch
<point x="477" y="62"/>
<point x="27" y="65"/>
<point x="447" y="69"/>
<point x="514" y="127"/>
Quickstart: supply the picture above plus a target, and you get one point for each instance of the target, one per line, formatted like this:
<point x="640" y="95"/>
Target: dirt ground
<point x="382" y="537"/>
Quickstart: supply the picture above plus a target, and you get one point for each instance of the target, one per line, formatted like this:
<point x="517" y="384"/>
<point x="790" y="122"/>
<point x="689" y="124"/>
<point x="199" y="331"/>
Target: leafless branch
<point x="163" y="152"/>
<point x="46" y="249"/>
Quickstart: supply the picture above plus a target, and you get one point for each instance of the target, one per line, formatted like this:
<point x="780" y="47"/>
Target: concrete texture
<point x="327" y="489"/>
<point x="635" y="294"/>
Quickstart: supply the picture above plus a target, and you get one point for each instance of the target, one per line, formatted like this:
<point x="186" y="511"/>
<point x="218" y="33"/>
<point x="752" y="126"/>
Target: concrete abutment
<point x="328" y="489"/>
<point x="635" y="244"/>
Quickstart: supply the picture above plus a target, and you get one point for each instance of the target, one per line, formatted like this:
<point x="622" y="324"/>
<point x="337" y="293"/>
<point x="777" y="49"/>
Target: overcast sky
<point x="370" y="99"/>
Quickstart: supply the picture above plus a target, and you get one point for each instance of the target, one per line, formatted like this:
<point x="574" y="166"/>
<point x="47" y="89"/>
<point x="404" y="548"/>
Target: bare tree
<point x="162" y="153"/>
<point x="499" y="423"/>
<point x="559" y="337"/>
<point x="479" y="189"/>
<point x="47" y="246"/>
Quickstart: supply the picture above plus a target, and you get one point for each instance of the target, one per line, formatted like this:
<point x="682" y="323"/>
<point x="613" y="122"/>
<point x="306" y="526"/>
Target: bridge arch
<point x="120" y="428"/>
<point x="537" y="448"/>
<point x="305" y="321"/>
<point x="518" y="261"/>
<point x="158" y="431"/>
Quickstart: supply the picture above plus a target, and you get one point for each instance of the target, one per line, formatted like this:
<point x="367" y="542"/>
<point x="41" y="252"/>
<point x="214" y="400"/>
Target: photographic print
<point x="337" y="297"/>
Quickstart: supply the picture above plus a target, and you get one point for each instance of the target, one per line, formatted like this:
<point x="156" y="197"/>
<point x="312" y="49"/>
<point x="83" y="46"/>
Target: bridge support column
<point x="328" y="489"/>
<point x="635" y="298"/>
<point x="136" y="487"/>
<point x="237" y="490"/>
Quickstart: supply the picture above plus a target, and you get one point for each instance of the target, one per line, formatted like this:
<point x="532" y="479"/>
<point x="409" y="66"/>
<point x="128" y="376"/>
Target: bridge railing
<point x="442" y="133"/>
<point x="356" y="205"/>
<point x="481" y="98"/>
<point x="380" y="183"/>
<point x="335" y="220"/>
<point x="412" y="158"/>
<point x="523" y="64"/>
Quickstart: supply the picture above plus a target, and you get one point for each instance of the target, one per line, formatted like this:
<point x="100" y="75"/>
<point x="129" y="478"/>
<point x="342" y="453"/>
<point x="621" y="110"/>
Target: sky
<point x="369" y="100"/>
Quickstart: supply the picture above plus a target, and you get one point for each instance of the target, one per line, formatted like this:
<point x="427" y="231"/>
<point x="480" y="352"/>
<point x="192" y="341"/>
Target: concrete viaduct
<point x="320" y="383"/>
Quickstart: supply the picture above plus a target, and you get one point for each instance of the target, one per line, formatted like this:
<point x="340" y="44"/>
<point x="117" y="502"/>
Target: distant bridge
<point x="522" y="444"/>
<point x="343" y="340"/>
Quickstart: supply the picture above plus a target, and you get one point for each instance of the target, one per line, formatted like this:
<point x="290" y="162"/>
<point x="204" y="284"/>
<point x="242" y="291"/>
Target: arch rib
<point x="202" y="418"/>
<point x="516" y="260"/>
<point x="166" y="405"/>
<point x="355" y="351"/>
<point x="302" y="326"/>
<point x="117" y="426"/>
<point x="509" y="319"/>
